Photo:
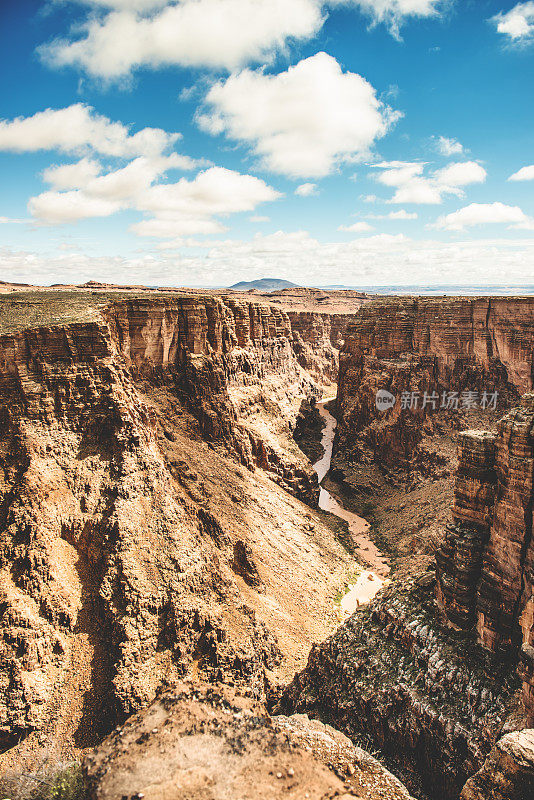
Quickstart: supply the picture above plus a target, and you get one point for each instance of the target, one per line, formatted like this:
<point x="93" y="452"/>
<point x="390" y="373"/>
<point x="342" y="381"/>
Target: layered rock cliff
<point x="430" y="670"/>
<point x="416" y="346"/>
<point x="232" y="362"/>
<point x="138" y="539"/>
<point x="485" y="567"/>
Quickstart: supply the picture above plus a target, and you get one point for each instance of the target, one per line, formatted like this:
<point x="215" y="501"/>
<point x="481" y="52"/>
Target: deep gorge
<point x="155" y="448"/>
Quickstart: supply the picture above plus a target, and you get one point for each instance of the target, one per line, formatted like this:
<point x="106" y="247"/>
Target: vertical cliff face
<point x="506" y="584"/>
<point x="433" y="681"/>
<point x="134" y="547"/>
<point x="316" y="339"/>
<point x="459" y="560"/>
<point x="485" y="567"/>
<point x="426" y="345"/>
<point x="234" y="363"/>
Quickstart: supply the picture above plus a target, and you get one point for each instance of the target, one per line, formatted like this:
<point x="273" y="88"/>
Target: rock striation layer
<point x="485" y="567"/>
<point x="459" y="559"/>
<point x="434" y="681"/>
<point x="141" y="534"/>
<point x="426" y="345"/>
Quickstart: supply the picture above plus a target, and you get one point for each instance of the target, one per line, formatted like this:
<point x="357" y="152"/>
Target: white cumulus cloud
<point x="484" y="214"/>
<point x="217" y="34"/>
<point x="524" y="174"/>
<point x="78" y="129"/>
<point x="394" y="12"/>
<point x="357" y="227"/>
<point x="302" y="122"/>
<point x="214" y="191"/>
<point x="449" y="147"/>
<point x="72" y="176"/>
<point x="189" y="207"/>
<point x="54" y="208"/>
<point x="306" y="189"/>
<point x="413" y="184"/>
<point x="517" y="24"/>
<point x="462" y="173"/>
<point x="117" y="189"/>
<point x="194" y="33"/>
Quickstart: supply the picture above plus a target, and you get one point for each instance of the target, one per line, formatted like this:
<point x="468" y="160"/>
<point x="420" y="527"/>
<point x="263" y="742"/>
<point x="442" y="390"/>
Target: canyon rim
<point x="165" y="540"/>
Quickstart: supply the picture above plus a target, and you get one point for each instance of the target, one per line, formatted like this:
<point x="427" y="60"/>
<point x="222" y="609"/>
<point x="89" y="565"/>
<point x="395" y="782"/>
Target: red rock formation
<point x="486" y="562"/>
<point x="225" y="358"/>
<point x="120" y="511"/>
<point x="315" y="339"/>
<point x="506" y="583"/>
<point x="418" y="345"/>
<point x="459" y="559"/>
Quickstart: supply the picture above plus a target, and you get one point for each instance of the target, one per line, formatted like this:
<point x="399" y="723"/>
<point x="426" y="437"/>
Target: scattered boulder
<point x="210" y="743"/>
<point x="508" y="773"/>
<point x="244" y="565"/>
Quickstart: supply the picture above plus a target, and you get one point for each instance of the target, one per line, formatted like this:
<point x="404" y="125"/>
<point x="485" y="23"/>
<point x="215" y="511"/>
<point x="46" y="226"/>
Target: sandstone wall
<point x="485" y="566"/>
<point x="425" y="345"/>
<point x="459" y="559"/>
<point x="123" y="505"/>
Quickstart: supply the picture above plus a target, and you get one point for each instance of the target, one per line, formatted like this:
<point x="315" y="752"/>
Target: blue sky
<point x="200" y="142"/>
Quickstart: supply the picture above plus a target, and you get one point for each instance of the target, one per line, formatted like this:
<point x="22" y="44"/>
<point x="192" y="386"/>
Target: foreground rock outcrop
<point x="508" y="772"/>
<point x="210" y="743"/>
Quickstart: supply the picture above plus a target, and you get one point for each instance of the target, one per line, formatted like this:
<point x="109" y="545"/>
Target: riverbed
<point x="371" y="579"/>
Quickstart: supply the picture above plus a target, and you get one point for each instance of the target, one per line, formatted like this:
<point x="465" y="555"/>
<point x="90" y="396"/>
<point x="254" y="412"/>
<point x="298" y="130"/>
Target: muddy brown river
<point x="370" y="580"/>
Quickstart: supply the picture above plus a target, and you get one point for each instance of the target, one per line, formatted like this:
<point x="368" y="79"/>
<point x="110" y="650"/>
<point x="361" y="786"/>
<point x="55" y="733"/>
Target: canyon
<point x="159" y="524"/>
<point x="430" y="669"/>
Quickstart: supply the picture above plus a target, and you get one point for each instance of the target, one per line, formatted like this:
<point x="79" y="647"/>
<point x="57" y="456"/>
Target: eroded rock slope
<point x="430" y="670"/>
<point x="141" y="534"/>
<point x="209" y="743"/>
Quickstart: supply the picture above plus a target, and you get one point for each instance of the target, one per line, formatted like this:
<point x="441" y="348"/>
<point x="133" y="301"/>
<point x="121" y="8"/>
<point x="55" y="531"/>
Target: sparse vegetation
<point x="351" y="580"/>
<point x="33" y="309"/>
<point x="57" y="781"/>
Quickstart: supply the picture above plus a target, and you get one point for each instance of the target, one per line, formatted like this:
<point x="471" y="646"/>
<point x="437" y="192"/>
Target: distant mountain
<point x="263" y="285"/>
